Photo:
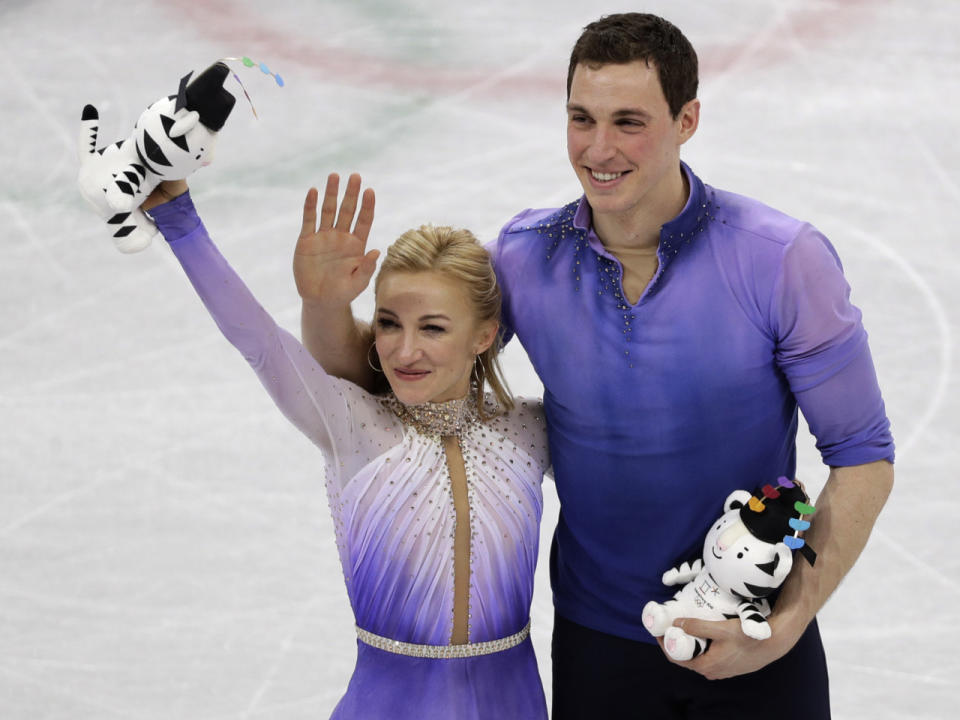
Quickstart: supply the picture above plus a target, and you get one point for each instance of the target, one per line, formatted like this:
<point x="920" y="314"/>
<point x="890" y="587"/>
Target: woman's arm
<point x="307" y="396"/>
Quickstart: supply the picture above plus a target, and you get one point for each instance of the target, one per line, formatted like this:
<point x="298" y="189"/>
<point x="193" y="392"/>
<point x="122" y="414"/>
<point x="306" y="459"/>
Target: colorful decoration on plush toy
<point x="173" y="137"/>
<point x="794" y="517"/>
<point x="747" y="554"/>
<point x="247" y="62"/>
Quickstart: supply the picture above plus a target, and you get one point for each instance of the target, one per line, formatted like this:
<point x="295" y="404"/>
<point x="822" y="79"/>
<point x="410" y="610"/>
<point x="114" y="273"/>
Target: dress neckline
<point x="450" y="417"/>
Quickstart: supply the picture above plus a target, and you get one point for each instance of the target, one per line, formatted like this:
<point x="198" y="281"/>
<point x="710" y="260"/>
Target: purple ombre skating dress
<point x="391" y="497"/>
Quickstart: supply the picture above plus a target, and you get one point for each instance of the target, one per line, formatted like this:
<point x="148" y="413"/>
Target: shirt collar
<point x="673" y="235"/>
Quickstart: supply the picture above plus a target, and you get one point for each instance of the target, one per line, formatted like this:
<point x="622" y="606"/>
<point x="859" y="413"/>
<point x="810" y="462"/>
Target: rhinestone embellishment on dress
<point x="444" y="418"/>
<point x="443" y="651"/>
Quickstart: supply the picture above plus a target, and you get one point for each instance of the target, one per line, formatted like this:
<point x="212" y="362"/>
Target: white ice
<point x="165" y="545"/>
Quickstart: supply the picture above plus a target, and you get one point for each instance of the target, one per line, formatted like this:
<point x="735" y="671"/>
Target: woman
<point x="434" y="487"/>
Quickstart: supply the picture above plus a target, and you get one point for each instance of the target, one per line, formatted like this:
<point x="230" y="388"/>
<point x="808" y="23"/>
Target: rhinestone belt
<point x="443" y="651"/>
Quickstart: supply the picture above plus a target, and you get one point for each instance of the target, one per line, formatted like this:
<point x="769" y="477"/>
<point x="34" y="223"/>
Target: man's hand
<point x="731" y="652"/>
<point x="847" y="508"/>
<point x="330" y="264"/>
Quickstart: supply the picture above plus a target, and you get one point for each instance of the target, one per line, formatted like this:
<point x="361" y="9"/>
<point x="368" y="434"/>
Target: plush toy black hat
<point x="206" y="94"/>
<point x="775" y="514"/>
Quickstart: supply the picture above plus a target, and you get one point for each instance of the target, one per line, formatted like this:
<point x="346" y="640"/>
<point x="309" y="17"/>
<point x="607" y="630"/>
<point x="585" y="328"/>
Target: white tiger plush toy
<point x="173" y="137"/>
<point x="747" y="554"/>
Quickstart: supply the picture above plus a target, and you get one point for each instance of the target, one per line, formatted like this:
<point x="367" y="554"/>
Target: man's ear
<point x="688" y="120"/>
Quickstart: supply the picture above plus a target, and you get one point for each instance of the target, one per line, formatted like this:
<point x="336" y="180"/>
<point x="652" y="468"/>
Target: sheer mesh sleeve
<point x="345" y="422"/>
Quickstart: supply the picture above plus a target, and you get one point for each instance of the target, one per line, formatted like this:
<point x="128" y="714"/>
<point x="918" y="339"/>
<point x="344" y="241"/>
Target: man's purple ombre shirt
<point x="657" y="411"/>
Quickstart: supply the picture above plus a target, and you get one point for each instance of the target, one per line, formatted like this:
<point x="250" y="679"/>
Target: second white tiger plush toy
<point x="172" y="138"/>
<point x="747" y="554"/>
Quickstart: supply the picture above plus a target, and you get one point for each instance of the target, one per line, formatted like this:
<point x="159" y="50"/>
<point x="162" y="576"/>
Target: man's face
<point x="622" y="140"/>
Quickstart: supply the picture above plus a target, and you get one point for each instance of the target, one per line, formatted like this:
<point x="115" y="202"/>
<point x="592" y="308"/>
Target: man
<point x="676" y="329"/>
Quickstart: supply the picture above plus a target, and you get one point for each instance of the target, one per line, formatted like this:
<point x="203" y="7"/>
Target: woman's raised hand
<point x="331" y="265"/>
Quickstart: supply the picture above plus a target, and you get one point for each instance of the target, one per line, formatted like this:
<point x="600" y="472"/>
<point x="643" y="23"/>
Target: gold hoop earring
<point x="370" y="360"/>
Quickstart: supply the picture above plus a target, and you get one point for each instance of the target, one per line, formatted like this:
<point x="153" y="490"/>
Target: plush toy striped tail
<point x="89" y="127"/>
<point x="131" y="231"/>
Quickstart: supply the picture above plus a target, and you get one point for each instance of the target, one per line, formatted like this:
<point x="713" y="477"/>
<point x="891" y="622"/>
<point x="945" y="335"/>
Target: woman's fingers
<point x="328" y="211"/>
<point x="340" y="218"/>
<point x="309" y="225"/>
<point x="349" y="204"/>
<point x="365" y="217"/>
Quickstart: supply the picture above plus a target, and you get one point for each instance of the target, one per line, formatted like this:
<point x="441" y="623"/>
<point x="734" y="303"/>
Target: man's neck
<point x="640" y="228"/>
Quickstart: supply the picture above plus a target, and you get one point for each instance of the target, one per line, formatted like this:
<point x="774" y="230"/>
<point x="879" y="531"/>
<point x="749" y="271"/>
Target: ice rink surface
<point x="165" y="545"/>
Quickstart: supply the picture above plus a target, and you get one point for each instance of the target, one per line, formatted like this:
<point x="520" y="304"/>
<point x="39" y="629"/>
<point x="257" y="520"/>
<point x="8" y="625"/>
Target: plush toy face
<point x="740" y="562"/>
<point x="173" y="142"/>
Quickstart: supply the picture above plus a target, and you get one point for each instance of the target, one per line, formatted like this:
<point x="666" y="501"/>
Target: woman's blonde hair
<point x="457" y="254"/>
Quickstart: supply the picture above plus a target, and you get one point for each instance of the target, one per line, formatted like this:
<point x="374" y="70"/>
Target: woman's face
<point x="427" y="336"/>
